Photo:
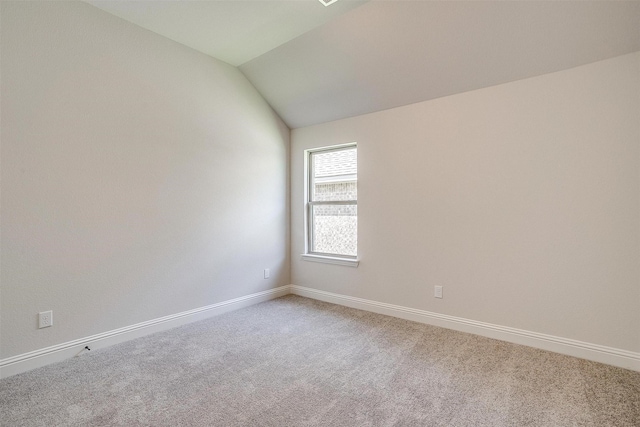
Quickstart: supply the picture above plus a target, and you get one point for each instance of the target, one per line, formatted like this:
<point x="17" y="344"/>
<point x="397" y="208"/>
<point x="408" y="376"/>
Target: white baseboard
<point x="57" y="353"/>
<point x="598" y="353"/>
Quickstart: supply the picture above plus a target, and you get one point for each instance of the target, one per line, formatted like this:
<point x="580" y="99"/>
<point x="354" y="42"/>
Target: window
<point x="332" y="204"/>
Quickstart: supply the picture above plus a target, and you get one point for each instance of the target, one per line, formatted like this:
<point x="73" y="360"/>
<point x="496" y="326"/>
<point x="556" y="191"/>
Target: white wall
<point x="139" y="178"/>
<point x="522" y="200"/>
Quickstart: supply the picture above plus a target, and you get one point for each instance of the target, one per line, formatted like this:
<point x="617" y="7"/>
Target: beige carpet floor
<point x="298" y="362"/>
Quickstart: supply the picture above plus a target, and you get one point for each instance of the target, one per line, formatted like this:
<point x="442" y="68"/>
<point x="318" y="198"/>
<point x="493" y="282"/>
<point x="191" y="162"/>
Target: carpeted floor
<point x="298" y="362"/>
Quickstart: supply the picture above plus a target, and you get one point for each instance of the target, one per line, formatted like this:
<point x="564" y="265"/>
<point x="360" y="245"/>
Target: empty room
<point x="319" y="213"/>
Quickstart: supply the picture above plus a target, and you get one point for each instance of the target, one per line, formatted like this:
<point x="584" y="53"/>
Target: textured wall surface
<point x="139" y="178"/>
<point x="521" y="200"/>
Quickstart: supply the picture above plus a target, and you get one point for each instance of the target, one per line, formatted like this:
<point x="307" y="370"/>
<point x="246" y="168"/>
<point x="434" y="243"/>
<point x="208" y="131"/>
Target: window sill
<point x="331" y="260"/>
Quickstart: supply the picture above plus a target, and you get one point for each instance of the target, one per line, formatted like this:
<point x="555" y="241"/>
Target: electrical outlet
<point x="438" y="292"/>
<point x="267" y="273"/>
<point x="45" y="319"/>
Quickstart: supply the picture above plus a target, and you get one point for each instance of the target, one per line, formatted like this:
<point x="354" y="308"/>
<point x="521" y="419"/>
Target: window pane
<point x="335" y="191"/>
<point x="335" y="229"/>
<point x="335" y="175"/>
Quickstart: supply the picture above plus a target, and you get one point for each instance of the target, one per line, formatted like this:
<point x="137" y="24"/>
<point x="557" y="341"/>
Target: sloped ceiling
<point x="233" y="31"/>
<point x="362" y="57"/>
<point x="386" y="54"/>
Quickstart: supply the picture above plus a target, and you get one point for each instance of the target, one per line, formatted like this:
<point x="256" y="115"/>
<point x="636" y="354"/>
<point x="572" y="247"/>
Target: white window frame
<point x="309" y="255"/>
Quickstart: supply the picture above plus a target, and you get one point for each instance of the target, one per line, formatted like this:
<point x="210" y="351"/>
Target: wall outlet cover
<point x="45" y="319"/>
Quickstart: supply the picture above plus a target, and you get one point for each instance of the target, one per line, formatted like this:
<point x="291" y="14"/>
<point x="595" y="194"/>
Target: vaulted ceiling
<point x="315" y="64"/>
<point x="233" y="31"/>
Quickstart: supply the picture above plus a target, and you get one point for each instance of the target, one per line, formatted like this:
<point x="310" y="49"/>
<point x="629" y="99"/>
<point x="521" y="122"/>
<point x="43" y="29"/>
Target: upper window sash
<point x="312" y="180"/>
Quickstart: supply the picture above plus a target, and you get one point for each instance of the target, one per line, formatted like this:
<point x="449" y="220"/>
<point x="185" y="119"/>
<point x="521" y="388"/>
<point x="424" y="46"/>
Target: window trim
<point x="326" y="259"/>
<point x="308" y="255"/>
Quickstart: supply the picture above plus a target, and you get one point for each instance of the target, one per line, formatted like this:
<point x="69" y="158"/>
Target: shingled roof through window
<point x="335" y="163"/>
